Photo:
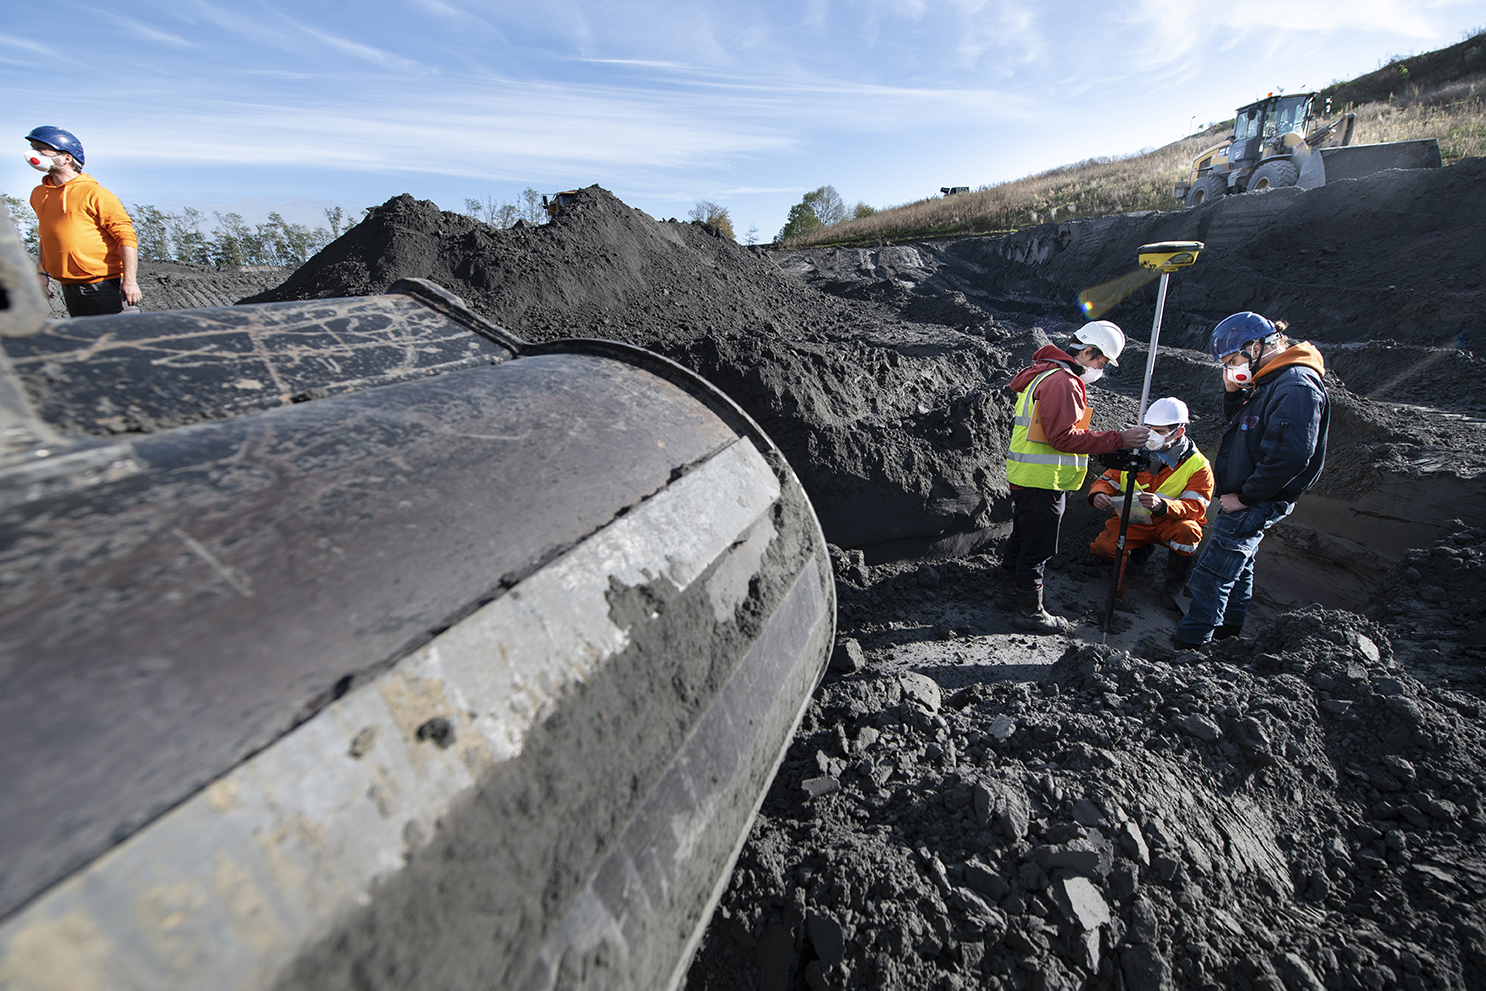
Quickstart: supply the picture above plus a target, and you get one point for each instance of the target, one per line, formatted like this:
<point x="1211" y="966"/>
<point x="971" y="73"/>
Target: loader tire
<point x="1274" y="175"/>
<point x="1207" y="189"/>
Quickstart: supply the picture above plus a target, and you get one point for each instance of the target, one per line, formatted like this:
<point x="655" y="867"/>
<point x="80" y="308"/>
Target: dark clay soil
<point x="966" y="806"/>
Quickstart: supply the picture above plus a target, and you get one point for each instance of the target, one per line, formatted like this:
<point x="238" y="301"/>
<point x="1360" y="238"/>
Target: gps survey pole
<point x="1165" y="257"/>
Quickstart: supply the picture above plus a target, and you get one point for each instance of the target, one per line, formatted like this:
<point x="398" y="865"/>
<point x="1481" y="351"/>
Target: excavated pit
<point x="969" y="806"/>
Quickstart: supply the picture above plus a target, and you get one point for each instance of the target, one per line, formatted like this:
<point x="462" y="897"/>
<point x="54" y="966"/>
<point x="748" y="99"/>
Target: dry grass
<point x="1455" y="115"/>
<point x="1458" y="125"/>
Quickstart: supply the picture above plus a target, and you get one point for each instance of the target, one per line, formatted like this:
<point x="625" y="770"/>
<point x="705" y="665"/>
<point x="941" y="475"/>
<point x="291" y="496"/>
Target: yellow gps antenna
<point x="1164" y="257"/>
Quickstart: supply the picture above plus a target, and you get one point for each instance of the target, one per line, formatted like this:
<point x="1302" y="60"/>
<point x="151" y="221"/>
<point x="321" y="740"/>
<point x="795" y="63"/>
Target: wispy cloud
<point x="34" y="47"/>
<point x="141" y="29"/>
<point x="356" y="49"/>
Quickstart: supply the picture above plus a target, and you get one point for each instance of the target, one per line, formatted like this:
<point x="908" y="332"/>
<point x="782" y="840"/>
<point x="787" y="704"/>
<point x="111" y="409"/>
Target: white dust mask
<point x="40" y="162"/>
<point x="1156" y="441"/>
<point x="1238" y="374"/>
<point x="1091" y="375"/>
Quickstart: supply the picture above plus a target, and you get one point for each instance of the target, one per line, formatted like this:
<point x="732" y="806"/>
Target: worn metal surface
<point x="228" y="889"/>
<point x="335" y="590"/>
<point x="131" y="373"/>
<point x="22" y="310"/>
<point x="214" y="587"/>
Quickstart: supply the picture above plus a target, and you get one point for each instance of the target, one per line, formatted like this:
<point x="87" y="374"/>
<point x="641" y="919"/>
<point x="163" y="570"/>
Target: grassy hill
<point x="1440" y="94"/>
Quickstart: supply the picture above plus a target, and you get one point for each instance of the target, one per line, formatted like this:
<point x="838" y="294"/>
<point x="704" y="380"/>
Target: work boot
<point x="1138" y="557"/>
<point x="1178" y="643"/>
<point x="1178" y="570"/>
<point x="1032" y="617"/>
<point x="1227" y="632"/>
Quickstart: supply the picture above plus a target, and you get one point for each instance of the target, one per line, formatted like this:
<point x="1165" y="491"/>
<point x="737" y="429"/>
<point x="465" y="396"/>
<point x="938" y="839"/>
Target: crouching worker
<point x="1049" y="456"/>
<point x="1278" y="414"/>
<point x="1170" y="500"/>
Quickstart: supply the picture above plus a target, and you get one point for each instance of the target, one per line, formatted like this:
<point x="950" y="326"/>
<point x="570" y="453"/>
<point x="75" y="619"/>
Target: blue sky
<point x="261" y="105"/>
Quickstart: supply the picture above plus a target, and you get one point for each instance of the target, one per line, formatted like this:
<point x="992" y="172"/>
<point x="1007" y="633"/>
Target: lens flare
<point x="1100" y="299"/>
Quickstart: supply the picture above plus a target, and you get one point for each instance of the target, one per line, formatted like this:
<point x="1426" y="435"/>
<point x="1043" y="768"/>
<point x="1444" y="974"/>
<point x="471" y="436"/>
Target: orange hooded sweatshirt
<point x="82" y="228"/>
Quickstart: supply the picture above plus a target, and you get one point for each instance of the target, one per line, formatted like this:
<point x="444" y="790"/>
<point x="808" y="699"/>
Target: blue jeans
<point x="1222" y="581"/>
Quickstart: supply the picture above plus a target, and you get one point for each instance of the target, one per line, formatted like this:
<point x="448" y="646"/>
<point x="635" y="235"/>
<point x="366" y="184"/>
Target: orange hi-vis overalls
<point x="1188" y="488"/>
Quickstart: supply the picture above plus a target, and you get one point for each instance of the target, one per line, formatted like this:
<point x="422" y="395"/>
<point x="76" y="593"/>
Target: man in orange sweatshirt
<point x="87" y="240"/>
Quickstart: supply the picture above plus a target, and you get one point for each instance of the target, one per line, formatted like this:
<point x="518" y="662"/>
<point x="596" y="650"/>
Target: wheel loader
<point x="1278" y="141"/>
<point x="357" y="643"/>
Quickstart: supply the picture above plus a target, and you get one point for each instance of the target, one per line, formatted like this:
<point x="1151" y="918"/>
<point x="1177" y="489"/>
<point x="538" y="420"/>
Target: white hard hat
<point x="1165" y="412"/>
<point x="1103" y="335"/>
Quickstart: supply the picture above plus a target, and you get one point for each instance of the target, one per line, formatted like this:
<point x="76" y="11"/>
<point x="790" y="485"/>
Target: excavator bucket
<point x="1356" y="161"/>
<point x="356" y="642"/>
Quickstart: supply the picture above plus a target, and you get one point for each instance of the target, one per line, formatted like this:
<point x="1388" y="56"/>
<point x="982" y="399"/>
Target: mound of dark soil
<point x="1434" y="601"/>
<point x="893" y="426"/>
<point x="1294" y="811"/>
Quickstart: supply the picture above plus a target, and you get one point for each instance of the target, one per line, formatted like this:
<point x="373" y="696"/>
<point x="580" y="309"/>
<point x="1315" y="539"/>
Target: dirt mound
<point x="1434" y="602"/>
<point x="891" y="424"/>
<point x="1293" y="811"/>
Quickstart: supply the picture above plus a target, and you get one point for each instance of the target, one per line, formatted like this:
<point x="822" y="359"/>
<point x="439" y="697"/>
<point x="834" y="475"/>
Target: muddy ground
<point x="969" y="806"/>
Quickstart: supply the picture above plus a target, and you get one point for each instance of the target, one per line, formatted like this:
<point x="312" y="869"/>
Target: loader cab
<point x="1266" y="121"/>
<point x="559" y="202"/>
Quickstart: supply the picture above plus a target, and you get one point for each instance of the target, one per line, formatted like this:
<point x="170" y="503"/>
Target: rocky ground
<point x="969" y="806"/>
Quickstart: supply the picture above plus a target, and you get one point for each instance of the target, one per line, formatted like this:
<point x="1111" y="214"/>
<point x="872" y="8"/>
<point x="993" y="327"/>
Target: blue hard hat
<point x="1232" y="333"/>
<point x="58" y="139"/>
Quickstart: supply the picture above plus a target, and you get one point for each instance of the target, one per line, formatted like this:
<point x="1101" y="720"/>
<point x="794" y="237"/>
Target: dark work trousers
<point x="1036" y="516"/>
<point x="93" y="299"/>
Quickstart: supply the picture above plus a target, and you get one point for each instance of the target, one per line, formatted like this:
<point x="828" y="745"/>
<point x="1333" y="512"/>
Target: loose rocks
<point x="1283" y="845"/>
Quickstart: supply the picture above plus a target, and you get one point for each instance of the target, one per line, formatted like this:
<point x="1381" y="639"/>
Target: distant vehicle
<point x="954" y="190"/>
<point x="1275" y="142"/>
<point x="554" y="205"/>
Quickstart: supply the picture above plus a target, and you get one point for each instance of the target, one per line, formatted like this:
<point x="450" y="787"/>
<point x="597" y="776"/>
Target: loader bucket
<point x="1356" y="161"/>
<point x="358" y="643"/>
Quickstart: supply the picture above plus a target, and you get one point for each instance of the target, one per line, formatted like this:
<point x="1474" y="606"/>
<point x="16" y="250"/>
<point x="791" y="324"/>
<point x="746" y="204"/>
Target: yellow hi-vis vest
<point x="1031" y="461"/>
<point x="1175" y="486"/>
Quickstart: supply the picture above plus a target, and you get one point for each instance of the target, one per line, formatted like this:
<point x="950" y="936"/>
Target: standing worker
<point x="1048" y="456"/>
<point x="87" y="240"/>
<point x="1171" y="500"/>
<point x="1277" y="411"/>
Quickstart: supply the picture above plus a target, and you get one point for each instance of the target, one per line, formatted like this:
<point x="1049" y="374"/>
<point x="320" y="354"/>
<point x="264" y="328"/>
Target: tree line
<point x="820" y="208"/>
<point x="528" y="207"/>
<point x="184" y="235"/>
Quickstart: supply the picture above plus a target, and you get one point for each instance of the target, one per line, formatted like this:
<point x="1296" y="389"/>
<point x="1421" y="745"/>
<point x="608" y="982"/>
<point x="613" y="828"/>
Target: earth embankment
<point x="970" y="806"/>
<point x="1397" y="255"/>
